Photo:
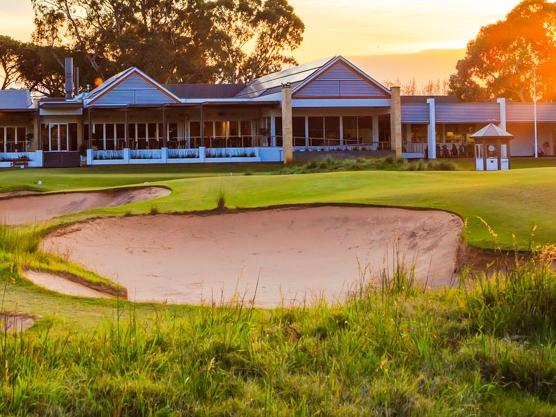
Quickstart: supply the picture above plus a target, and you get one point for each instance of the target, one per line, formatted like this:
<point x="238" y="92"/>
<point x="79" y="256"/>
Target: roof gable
<point x="131" y="87"/>
<point x="340" y="79"/>
<point x="272" y="83"/>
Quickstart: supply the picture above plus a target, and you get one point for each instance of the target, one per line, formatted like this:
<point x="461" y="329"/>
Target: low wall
<point x="35" y="158"/>
<point x="184" y="156"/>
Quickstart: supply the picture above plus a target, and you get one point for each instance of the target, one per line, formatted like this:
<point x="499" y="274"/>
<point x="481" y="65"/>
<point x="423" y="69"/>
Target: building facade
<point x="327" y="105"/>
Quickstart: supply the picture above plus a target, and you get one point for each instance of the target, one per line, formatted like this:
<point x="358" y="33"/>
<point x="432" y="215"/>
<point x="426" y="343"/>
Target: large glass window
<point x="365" y="126"/>
<point x="350" y="130"/>
<point x="316" y="131"/>
<point x="3" y="147"/>
<point x="279" y="141"/>
<point x="332" y="130"/>
<point x="120" y="136"/>
<point x="298" y="131"/>
<point x="13" y="139"/>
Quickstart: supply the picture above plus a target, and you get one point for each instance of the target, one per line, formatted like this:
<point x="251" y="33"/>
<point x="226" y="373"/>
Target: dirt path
<point x="293" y="254"/>
<point x="34" y="208"/>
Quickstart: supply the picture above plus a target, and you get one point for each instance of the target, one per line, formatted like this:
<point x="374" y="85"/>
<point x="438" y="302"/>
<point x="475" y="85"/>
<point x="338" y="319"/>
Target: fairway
<point x="517" y="205"/>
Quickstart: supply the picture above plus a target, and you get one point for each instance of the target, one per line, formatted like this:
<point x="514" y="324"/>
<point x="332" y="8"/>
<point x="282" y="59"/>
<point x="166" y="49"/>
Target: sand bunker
<point x="34" y="208"/>
<point x="287" y="255"/>
<point x="56" y="283"/>
<point x="16" y="322"/>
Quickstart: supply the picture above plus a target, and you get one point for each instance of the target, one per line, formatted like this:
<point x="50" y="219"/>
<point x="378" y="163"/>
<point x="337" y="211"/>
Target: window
<point x="332" y="131"/>
<point x="365" y="129"/>
<point x="350" y="130"/>
<point x="120" y="136"/>
<point x="2" y="140"/>
<point x="298" y="131"/>
<point x="279" y="131"/>
<point x="316" y="131"/>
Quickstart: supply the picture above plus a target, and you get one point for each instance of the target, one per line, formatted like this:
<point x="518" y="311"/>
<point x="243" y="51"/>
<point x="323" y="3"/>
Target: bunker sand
<point x="35" y="208"/>
<point x="279" y="256"/>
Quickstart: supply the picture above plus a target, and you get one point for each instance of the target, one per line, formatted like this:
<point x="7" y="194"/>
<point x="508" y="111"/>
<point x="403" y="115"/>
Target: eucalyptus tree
<point x="507" y="57"/>
<point x="173" y="40"/>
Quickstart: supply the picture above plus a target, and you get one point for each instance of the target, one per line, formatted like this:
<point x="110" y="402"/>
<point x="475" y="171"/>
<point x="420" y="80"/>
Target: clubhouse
<point x="328" y="105"/>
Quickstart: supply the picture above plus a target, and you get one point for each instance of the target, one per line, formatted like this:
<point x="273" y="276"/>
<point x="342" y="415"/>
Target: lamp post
<point x="535" y="111"/>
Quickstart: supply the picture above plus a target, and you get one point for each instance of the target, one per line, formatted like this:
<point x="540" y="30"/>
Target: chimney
<point x="69" y="85"/>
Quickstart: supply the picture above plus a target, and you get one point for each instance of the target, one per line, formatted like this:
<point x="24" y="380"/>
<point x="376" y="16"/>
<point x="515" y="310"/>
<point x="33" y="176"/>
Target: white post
<point x="341" y="130"/>
<point x="287" y="123"/>
<point x="375" y="131"/>
<point x="503" y="120"/>
<point x="164" y="154"/>
<point x="202" y="154"/>
<point x="306" y="131"/>
<point x="273" y="130"/>
<point x="127" y="155"/>
<point x="535" y="112"/>
<point x="431" y="131"/>
<point x="89" y="157"/>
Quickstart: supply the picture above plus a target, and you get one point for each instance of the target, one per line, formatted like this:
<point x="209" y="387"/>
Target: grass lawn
<point x="511" y="203"/>
<point x="486" y="351"/>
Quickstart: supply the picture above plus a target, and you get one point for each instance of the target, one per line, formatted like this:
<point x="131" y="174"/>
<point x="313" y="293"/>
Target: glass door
<point x="58" y="138"/>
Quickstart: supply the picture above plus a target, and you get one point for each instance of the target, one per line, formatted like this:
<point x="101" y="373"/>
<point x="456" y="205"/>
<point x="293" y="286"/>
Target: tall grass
<point x="392" y="349"/>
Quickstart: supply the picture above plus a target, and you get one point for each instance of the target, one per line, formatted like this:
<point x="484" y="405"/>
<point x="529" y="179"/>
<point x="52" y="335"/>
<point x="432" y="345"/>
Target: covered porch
<point x="177" y="134"/>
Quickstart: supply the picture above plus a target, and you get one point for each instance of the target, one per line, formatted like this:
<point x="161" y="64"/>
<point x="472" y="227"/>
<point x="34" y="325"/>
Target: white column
<point x="431" y="132"/>
<point x="306" y="130"/>
<point x="503" y="120"/>
<point x="287" y="123"/>
<point x="273" y="130"/>
<point x="396" y="121"/>
<point x="341" y="130"/>
<point x="375" y="129"/>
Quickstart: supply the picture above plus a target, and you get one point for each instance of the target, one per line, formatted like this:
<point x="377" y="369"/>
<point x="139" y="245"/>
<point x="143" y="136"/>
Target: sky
<point x="353" y="28"/>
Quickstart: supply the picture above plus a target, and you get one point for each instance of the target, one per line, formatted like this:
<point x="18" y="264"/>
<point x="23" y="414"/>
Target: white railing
<point x="146" y="154"/>
<point x="183" y="153"/>
<point x="231" y="153"/>
<point x="184" y="156"/>
<point x="34" y="159"/>
<point x="107" y="155"/>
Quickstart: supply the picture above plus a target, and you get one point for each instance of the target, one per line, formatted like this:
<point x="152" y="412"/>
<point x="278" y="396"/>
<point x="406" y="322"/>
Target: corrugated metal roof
<point x="467" y="113"/>
<point x="523" y="112"/>
<point x="415" y="113"/>
<point x="205" y="90"/>
<point x="423" y="99"/>
<point x="15" y="99"/>
<point x="269" y="83"/>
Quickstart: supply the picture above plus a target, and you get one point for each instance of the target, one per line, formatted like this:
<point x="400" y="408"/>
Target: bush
<point x="389" y="163"/>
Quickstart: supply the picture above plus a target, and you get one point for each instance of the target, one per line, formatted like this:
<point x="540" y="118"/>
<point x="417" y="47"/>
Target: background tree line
<point x="175" y="41"/>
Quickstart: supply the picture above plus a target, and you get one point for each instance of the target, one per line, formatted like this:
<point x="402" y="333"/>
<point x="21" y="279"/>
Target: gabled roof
<point x="332" y="62"/>
<point x="15" y="100"/>
<point x="491" y="131"/>
<point x="209" y="91"/>
<point x="272" y="83"/>
<point x="115" y="80"/>
<point x="300" y="76"/>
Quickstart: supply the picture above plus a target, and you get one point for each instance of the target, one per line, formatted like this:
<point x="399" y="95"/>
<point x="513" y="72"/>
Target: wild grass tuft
<point x="389" y="163"/>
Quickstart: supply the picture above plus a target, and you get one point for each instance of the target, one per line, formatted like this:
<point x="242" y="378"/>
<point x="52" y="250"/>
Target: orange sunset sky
<point x="399" y="29"/>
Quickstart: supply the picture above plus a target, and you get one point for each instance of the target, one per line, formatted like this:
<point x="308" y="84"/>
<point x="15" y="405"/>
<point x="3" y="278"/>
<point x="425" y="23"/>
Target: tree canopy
<point x="173" y="40"/>
<point x="506" y="57"/>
